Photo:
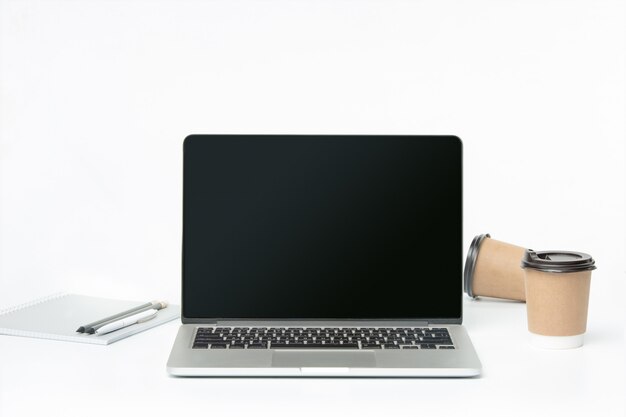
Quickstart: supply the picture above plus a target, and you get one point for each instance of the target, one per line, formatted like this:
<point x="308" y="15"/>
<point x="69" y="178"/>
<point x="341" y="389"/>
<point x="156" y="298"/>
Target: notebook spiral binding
<point x="31" y="303"/>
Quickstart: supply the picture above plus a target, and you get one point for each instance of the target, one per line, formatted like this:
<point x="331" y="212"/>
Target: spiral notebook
<point x="57" y="317"/>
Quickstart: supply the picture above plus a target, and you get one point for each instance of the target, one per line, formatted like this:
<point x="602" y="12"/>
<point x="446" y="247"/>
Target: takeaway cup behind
<point x="492" y="269"/>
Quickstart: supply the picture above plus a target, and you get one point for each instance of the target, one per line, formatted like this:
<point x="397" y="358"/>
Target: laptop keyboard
<point x="322" y="338"/>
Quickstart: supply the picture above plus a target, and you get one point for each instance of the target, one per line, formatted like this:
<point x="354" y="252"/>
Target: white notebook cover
<point x="57" y="317"/>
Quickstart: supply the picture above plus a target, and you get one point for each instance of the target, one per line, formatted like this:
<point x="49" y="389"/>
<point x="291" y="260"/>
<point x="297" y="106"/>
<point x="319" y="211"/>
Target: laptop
<point x="322" y="256"/>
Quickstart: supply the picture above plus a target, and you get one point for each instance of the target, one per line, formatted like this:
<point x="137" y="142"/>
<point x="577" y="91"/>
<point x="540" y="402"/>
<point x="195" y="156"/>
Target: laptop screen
<point x="322" y="227"/>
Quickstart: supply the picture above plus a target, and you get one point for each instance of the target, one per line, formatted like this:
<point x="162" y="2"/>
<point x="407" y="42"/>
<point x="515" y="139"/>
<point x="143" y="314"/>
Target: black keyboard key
<point x="204" y="330"/>
<point x="427" y="346"/>
<point x="218" y="346"/>
<point x="446" y="347"/>
<point x="314" y="346"/>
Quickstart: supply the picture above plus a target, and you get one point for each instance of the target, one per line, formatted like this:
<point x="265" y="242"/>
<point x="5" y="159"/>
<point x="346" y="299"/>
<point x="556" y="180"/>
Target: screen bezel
<point x="435" y="320"/>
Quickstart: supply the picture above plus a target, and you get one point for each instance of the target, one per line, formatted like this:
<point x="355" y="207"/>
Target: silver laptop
<point x="322" y="256"/>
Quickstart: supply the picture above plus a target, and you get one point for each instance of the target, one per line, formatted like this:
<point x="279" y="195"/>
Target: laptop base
<point x="459" y="362"/>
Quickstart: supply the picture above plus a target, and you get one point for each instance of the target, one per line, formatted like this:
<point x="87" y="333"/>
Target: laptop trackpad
<point x="290" y="359"/>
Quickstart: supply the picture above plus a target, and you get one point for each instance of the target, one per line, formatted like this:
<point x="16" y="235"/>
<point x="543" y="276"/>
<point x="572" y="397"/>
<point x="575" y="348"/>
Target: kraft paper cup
<point x="492" y="269"/>
<point x="557" y="297"/>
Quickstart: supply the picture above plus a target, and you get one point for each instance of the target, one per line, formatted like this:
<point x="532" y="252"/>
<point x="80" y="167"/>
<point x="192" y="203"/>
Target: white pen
<point x="127" y="321"/>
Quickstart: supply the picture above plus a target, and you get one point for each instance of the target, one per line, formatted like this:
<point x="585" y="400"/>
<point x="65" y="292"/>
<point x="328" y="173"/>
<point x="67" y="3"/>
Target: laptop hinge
<point x="324" y="323"/>
<point x="199" y="321"/>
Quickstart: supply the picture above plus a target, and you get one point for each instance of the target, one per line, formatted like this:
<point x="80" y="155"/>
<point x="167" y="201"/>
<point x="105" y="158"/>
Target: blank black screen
<point x="322" y="227"/>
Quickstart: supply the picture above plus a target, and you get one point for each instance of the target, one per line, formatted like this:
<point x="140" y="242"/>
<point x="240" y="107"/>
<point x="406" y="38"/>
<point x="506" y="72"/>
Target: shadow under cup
<point x="557" y="297"/>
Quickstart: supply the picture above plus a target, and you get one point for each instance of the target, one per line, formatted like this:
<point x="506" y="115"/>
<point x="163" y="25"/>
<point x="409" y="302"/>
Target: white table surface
<point x="96" y="97"/>
<point x="128" y="377"/>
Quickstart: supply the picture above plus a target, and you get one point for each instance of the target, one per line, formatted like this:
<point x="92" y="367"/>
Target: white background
<point x="97" y="96"/>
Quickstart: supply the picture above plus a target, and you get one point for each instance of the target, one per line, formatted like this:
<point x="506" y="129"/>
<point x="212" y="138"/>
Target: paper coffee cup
<point x="557" y="297"/>
<point x="492" y="269"/>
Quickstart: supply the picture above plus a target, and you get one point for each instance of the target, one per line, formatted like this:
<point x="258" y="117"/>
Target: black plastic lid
<point x="557" y="261"/>
<point x="470" y="263"/>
